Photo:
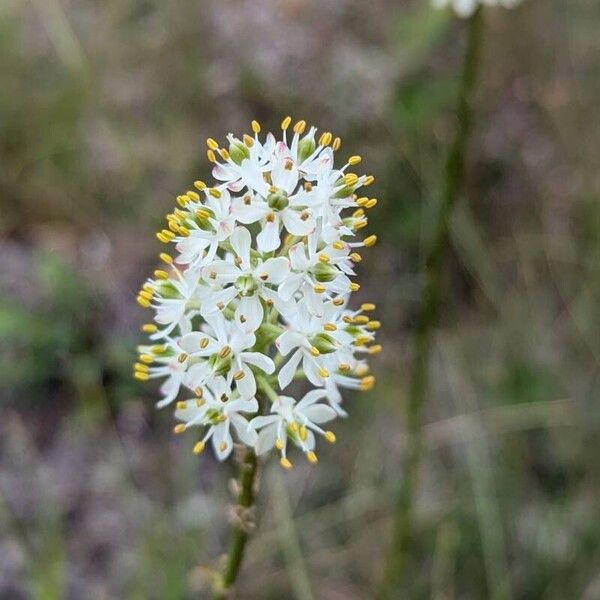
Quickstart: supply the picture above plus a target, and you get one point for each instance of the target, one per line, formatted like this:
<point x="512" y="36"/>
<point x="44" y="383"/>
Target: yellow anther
<point x="338" y="245"/>
<point x="147" y="358"/>
<point x="294" y="426"/>
<point x="248" y="140"/>
<point x="355" y="257"/>
<point x="319" y="288"/>
<point x="362" y="201"/>
<point x="324" y="258"/>
<point x="145" y="294"/>
<point x="182" y="201"/>
<point x="350" y="178"/>
<point x="211" y="156"/>
<point x="367" y="306"/>
<point x="312" y="458"/>
<point x="373" y="325"/>
<point x="225" y="352"/>
<point x="329" y="327"/>
<point x="371" y="203"/>
<point x="141" y="376"/>
<point x="160" y="274"/>
<point x="215" y="193"/>
<point x="339" y="301"/>
<point x="166" y="258"/>
<point x="279" y="444"/>
<point x="347" y="319"/>
<point x="286" y="123"/>
<point x="168" y="234"/>
<point x="255" y="126"/>
<point x="212" y="144"/>
<point x="239" y="375"/>
<point x="182" y="405"/>
<point x="354" y="160"/>
<point x="330" y="437"/>
<point x="182" y="357"/>
<point x="199" y="185"/>
<point x="303" y="433"/>
<point x="173" y="226"/>
<point x="149" y="328"/>
<point x="367" y="383"/>
<point x="162" y="238"/>
<point x="325" y="138"/>
<point x="370" y="241"/>
<point x="199" y="402"/>
<point x="314" y="351"/>
<point x="204" y="342"/>
<point x="354" y="287"/>
<point x="184" y="231"/>
<point x="323" y="372"/>
<point x="158" y="349"/>
<point x="344" y="367"/>
<point x="362" y="340"/>
<point x="369" y="179"/>
<point x="199" y="392"/>
<point x="362" y="370"/>
<point x="361" y="319"/>
<point x="142" y="368"/>
<point x="203" y="213"/>
<point x="179" y="428"/>
<point x="376" y="349"/>
<point x="359" y="212"/>
<point x="285" y="463"/>
<point x="299" y="127"/>
<point x="308" y="186"/>
<point x="193" y="195"/>
<point x="199" y="447"/>
<point x="337" y="143"/>
<point x="224" y="153"/>
<point x="223" y="446"/>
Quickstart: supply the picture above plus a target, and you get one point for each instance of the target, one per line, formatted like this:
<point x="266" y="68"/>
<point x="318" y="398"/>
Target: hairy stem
<point x="239" y="536"/>
<point x="396" y="573"/>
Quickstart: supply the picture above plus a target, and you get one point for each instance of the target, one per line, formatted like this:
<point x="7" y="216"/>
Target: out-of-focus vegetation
<point x="104" y="108"/>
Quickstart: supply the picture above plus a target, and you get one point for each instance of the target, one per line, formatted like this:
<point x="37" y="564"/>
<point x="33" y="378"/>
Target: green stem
<point x="396" y="573"/>
<point x="239" y="537"/>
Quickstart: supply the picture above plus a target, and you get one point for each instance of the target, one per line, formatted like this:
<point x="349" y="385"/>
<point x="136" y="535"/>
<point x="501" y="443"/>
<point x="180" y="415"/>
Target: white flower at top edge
<point x="465" y="8"/>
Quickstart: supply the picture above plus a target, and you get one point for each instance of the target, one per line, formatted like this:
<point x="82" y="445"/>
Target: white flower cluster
<point x="465" y="8"/>
<point x="257" y="294"/>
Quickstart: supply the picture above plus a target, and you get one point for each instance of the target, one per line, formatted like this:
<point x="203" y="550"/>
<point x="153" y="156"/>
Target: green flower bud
<point x="246" y="285"/>
<point x="324" y="343"/>
<point x="278" y="200"/>
<point x="306" y="146"/>
<point x="323" y="272"/>
<point x="166" y="289"/>
<point x="238" y="151"/>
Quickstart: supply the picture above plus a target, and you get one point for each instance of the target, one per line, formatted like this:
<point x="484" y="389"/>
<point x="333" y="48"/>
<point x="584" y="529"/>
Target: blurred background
<point x="104" y="109"/>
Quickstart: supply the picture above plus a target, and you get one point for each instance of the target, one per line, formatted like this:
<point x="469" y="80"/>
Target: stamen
<point x="312" y="458"/>
<point x="255" y="126"/>
<point x="286" y="123"/>
<point x="285" y="463"/>
<point x="199" y="447"/>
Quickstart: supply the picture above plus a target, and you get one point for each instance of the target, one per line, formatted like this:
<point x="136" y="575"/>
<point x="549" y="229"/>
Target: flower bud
<point x="306" y="146"/>
<point x="278" y="200"/>
<point x="238" y="151"/>
<point x="324" y="272"/>
<point x="324" y="343"/>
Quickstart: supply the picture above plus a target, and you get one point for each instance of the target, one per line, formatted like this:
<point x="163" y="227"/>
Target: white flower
<point x="465" y="8"/>
<point x="294" y="421"/>
<point x="225" y="348"/>
<point x="217" y="411"/>
<point x="257" y="294"/>
<point x="244" y="280"/>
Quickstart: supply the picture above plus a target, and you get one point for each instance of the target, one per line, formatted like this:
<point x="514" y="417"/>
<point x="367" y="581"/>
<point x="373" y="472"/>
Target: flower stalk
<point x="240" y="532"/>
<point x="403" y="535"/>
